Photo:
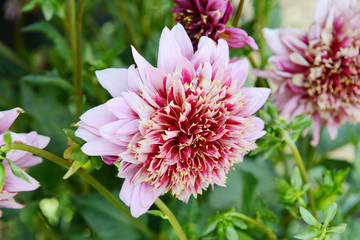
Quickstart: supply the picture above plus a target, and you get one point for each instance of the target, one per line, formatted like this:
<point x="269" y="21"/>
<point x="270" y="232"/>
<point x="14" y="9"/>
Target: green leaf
<point x="49" y="78"/>
<point x="238" y="223"/>
<point x="308" y="235"/>
<point x="73" y="168"/>
<point x="338" y="229"/>
<point x="220" y="231"/>
<point x="330" y="213"/>
<point x="2" y="176"/>
<point x="104" y="219"/>
<point x="96" y="162"/>
<point x="17" y="171"/>
<point x="61" y="46"/>
<point x="71" y="134"/>
<point x="308" y="217"/>
<point x="48" y="9"/>
<point x="78" y="155"/>
<point x="296" y="180"/>
<point x="7" y="140"/>
<point x="231" y="233"/>
<point x="29" y="6"/>
<point x="157" y="213"/>
<point x="210" y="226"/>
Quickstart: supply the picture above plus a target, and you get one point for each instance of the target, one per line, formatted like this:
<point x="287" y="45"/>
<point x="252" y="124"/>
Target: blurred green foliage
<point x="36" y="74"/>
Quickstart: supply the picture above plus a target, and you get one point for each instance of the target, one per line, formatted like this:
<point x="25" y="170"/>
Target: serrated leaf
<point x="157" y="213"/>
<point x="17" y="171"/>
<point x="330" y="213"/>
<point x="338" y="229"/>
<point x="231" y="233"/>
<point x="308" y="217"/>
<point x="2" y="176"/>
<point x="307" y="235"/>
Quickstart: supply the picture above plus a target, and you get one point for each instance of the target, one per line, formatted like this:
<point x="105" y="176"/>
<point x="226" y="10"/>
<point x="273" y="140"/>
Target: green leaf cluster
<point x="320" y="231"/>
<point x="79" y="158"/>
<point x="277" y="128"/>
<point x="329" y="187"/>
<point x="223" y="226"/>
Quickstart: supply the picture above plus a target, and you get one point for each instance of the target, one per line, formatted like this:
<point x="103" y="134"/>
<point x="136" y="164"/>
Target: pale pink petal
<point x="101" y="147"/>
<point x="16" y="184"/>
<point x="8" y="117"/>
<point x="119" y="107"/>
<point x="321" y="11"/>
<point x="142" y="65"/>
<point x="114" y="80"/>
<point x="169" y="51"/>
<point x="98" y="116"/>
<point x="183" y="41"/>
<point x="272" y="37"/>
<point x="256" y="99"/>
<point x="238" y="38"/>
<point x="126" y="192"/>
<point x="10" y="203"/>
<point x="316" y="129"/>
<point x="239" y="71"/>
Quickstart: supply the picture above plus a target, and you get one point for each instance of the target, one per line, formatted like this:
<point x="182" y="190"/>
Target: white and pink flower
<point x="180" y="125"/>
<point x="317" y="72"/>
<point x="22" y="159"/>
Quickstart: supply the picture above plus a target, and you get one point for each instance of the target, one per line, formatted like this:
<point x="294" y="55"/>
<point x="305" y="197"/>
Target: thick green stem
<point x="303" y="173"/>
<point x="269" y="234"/>
<point x="79" y="82"/>
<point x="172" y="219"/>
<point x="75" y="41"/>
<point x="91" y="181"/>
<point x="238" y="14"/>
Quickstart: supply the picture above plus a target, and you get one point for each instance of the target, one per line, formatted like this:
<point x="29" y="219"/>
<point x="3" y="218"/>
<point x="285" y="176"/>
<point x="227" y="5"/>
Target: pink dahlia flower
<point x="317" y="72"/>
<point x="22" y="159"/>
<point x="180" y="125"/>
<point x="208" y="18"/>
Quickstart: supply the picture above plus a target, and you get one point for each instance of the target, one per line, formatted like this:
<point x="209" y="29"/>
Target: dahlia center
<point x="184" y="146"/>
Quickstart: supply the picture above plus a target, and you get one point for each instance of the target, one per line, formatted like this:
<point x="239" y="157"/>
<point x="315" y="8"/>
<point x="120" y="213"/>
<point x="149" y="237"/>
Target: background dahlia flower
<point x="208" y="18"/>
<point x="317" y="72"/>
<point x="22" y="159"/>
<point x="180" y="125"/>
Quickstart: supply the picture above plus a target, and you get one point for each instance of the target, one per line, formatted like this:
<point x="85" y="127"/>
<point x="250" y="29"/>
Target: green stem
<point x="75" y="54"/>
<point x="79" y="59"/>
<point x="128" y="24"/>
<point x="238" y="14"/>
<point x="91" y="181"/>
<point x="303" y="173"/>
<point x="172" y="219"/>
<point x="269" y="234"/>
